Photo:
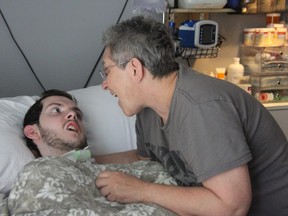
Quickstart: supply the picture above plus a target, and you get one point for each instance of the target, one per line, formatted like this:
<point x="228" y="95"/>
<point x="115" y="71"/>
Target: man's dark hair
<point x="33" y="114"/>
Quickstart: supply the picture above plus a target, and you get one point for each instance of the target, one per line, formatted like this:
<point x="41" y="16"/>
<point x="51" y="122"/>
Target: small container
<point x="272" y="18"/>
<point x="264" y="96"/>
<point x="276" y="25"/>
<point x="220" y="73"/>
<point x="249" y="36"/>
<point x="261" y="36"/>
<point x="235" y="71"/>
<point x="280" y="36"/>
<point x="270" y="36"/>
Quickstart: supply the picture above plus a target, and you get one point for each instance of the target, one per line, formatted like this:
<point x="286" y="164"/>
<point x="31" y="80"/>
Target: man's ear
<point x="138" y="69"/>
<point x="31" y="132"/>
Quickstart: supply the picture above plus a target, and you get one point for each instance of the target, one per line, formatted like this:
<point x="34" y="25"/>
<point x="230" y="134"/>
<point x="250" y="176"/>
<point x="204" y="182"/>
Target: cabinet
<point x="268" y="70"/>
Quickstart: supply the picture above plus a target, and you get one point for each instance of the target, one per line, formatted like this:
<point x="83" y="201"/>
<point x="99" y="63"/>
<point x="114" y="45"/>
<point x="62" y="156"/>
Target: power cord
<point x="28" y="63"/>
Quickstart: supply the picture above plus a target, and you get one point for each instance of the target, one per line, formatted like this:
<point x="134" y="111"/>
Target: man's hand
<point x="120" y="187"/>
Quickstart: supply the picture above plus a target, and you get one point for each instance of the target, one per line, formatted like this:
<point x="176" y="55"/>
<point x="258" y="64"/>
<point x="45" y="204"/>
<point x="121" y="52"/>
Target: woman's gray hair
<point x="143" y="38"/>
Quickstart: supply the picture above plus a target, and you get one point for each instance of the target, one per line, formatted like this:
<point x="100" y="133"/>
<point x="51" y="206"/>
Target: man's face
<point x="120" y="83"/>
<point x="61" y="124"/>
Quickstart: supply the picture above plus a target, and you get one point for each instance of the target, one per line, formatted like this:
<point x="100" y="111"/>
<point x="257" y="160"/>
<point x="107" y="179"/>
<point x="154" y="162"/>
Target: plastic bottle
<point x="235" y="71"/>
<point x="261" y="36"/>
<point x="265" y="96"/>
<point x="280" y="36"/>
<point x="249" y="36"/>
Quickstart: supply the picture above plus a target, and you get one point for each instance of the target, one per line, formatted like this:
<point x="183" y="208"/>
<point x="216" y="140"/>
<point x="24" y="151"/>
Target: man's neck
<point x="160" y="94"/>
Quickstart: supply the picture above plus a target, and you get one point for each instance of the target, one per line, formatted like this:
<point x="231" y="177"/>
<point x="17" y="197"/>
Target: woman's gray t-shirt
<point x="214" y="126"/>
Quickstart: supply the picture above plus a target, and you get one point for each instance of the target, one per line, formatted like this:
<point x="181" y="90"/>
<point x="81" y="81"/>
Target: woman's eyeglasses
<point x="103" y="72"/>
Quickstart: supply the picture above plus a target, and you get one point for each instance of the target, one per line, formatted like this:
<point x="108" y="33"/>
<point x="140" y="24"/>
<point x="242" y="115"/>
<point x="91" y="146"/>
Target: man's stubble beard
<point x="50" y="137"/>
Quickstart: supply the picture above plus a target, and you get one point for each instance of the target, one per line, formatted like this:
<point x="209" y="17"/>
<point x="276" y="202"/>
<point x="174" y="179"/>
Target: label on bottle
<point x="265" y="96"/>
<point x="249" y="36"/>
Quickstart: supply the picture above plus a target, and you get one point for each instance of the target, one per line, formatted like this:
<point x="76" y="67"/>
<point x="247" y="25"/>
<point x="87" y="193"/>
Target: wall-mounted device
<point x="198" y="34"/>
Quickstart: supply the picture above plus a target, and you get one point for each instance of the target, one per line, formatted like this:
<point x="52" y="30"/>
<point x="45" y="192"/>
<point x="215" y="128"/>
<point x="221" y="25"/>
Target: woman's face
<point x="121" y="84"/>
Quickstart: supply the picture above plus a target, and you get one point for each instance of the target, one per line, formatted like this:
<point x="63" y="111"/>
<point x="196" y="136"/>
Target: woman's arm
<point x="119" y="157"/>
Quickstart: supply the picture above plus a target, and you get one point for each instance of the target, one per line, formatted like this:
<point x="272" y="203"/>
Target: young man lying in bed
<point x="62" y="180"/>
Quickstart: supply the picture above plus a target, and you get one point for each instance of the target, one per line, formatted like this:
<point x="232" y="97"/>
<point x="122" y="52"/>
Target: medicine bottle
<point x="235" y="71"/>
<point x="249" y="36"/>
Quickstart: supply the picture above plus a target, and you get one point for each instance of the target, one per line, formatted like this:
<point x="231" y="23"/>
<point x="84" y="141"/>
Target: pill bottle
<point x="280" y="36"/>
<point x="261" y="37"/>
<point x="265" y="96"/>
<point x="270" y="36"/>
<point x="235" y="71"/>
<point x="249" y="36"/>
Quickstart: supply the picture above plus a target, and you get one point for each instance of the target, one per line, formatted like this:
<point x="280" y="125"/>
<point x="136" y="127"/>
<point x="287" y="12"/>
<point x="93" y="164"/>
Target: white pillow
<point x="108" y="129"/>
<point x="13" y="151"/>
